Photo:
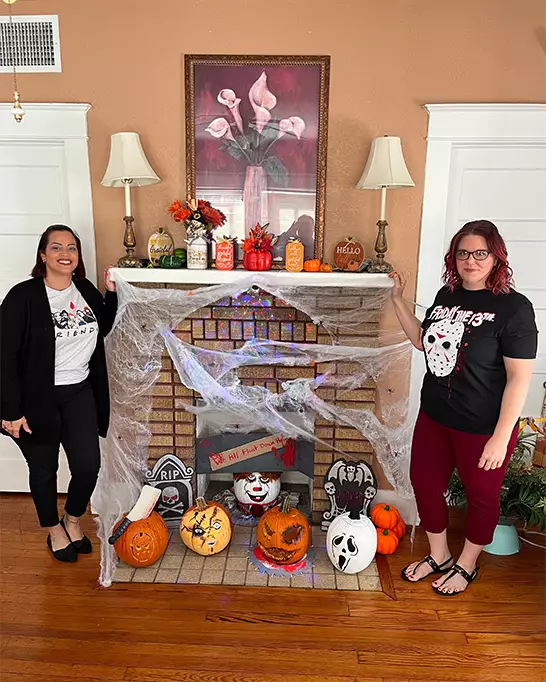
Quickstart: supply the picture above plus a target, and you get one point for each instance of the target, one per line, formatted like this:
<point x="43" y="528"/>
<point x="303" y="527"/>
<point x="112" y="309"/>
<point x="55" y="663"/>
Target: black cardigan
<point x="27" y="355"/>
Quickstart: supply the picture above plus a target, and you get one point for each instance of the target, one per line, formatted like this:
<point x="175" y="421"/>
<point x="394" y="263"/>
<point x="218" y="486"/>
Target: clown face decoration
<point x="256" y="492"/>
<point x="441" y="342"/>
<point x="351" y="542"/>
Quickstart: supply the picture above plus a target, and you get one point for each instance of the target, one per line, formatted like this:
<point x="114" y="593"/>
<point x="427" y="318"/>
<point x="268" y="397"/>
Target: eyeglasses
<point x="462" y="254"/>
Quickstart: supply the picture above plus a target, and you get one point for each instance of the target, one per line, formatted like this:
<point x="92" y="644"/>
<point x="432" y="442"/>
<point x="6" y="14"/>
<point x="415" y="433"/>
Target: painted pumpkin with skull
<point x="351" y="542"/>
<point x="144" y="541"/>
<point x="256" y="491"/>
<point x="206" y="528"/>
<point x="283" y="534"/>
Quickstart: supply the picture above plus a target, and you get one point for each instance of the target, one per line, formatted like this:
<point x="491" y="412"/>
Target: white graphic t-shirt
<point x="76" y="332"/>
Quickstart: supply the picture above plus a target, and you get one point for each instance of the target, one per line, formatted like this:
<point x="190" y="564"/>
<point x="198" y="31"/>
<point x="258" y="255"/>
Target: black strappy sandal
<point x="436" y="568"/>
<point x="83" y="545"/>
<point x="469" y="577"/>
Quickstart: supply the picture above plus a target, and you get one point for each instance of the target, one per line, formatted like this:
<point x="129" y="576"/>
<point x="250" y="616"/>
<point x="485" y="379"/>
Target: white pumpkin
<point x="351" y="542"/>
<point x="256" y="491"/>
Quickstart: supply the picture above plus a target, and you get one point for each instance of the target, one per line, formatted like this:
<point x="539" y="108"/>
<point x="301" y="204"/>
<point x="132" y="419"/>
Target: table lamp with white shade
<point x="385" y="169"/>
<point x="128" y="167"/>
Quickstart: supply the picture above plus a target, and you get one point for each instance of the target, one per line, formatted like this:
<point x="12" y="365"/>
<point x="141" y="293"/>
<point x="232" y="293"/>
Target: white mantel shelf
<point x="275" y="277"/>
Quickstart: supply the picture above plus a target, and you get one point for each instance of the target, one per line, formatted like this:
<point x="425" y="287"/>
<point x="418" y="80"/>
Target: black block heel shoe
<point x="67" y="554"/>
<point x="82" y="546"/>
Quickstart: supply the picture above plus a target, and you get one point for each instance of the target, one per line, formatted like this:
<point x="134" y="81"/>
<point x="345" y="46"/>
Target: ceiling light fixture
<point x="17" y="111"/>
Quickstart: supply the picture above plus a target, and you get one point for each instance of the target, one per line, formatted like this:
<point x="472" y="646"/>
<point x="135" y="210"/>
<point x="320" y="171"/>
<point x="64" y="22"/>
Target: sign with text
<point x="240" y="453"/>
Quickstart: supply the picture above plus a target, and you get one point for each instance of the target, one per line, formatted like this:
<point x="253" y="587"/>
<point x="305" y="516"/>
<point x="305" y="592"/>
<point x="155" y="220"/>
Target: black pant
<point x="75" y="428"/>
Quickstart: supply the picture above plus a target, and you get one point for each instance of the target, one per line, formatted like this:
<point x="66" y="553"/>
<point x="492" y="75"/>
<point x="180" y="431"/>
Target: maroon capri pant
<point x="436" y="452"/>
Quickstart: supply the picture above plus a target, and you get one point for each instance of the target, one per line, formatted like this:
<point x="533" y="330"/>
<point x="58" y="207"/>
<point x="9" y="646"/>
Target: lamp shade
<point x="128" y="162"/>
<point x="385" y="166"/>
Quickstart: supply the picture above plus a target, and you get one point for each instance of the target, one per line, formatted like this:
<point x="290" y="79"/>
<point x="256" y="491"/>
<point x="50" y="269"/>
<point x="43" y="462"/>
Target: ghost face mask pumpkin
<point x="206" y="528"/>
<point x="351" y="542"/>
<point x="441" y="343"/>
<point x="256" y="490"/>
<point x="283" y="534"/>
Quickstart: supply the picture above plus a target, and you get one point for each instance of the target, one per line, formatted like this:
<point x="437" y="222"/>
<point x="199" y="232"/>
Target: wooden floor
<point x="57" y="625"/>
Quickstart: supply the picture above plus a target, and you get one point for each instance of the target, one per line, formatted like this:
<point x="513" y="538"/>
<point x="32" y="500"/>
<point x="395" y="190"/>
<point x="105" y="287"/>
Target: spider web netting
<point x="355" y="360"/>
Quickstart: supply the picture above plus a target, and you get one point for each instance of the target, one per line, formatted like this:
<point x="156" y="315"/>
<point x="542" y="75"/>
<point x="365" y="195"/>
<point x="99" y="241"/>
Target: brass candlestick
<point x="380" y="265"/>
<point x="129" y="242"/>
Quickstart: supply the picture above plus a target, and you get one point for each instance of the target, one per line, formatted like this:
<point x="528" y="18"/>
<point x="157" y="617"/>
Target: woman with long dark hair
<point x="54" y="382"/>
<point x="479" y="339"/>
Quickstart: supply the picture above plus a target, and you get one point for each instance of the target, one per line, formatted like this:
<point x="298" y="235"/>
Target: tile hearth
<point x="232" y="567"/>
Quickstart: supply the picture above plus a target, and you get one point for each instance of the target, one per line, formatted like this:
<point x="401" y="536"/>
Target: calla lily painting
<point x="256" y="143"/>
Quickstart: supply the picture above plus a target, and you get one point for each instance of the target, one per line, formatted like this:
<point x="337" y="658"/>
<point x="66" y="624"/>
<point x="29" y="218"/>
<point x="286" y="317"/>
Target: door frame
<point x="452" y="126"/>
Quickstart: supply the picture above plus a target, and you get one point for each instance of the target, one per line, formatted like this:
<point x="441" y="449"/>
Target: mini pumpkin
<point x="206" y="528"/>
<point x="400" y="529"/>
<point x="283" y="534"/>
<point x="387" y="542"/>
<point x="144" y="541"/>
<point x="312" y="265"/>
<point x="326" y="267"/>
<point x="159" y="244"/>
<point x="385" y="516"/>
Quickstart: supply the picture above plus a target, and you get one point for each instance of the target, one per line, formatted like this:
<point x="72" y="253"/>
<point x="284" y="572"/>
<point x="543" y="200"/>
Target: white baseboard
<point x="407" y="508"/>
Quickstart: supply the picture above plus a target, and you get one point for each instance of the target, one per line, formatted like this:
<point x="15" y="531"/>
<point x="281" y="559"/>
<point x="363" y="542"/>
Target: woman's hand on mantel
<point x="397" y="292"/>
<point x="108" y="281"/>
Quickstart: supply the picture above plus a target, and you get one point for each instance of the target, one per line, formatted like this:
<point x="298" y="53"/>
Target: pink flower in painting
<point x="219" y="128"/>
<point x="262" y="101"/>
<point x="294" y="125"/>
<point x="231" y="101"/>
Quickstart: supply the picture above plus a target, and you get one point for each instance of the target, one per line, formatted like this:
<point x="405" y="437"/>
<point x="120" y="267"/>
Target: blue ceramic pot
<point x="505" y="540"/>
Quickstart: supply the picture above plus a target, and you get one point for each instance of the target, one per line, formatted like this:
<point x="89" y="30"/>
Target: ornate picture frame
<point x="256" y="143"/>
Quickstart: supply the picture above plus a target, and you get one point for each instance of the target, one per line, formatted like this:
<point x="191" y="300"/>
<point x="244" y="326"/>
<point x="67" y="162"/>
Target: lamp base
<point x="379" y="265"/>
<point x="129" y="242"/>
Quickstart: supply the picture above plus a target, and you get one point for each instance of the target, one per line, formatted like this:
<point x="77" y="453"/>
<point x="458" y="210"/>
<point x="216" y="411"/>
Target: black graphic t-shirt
<point x="466" y="334"/>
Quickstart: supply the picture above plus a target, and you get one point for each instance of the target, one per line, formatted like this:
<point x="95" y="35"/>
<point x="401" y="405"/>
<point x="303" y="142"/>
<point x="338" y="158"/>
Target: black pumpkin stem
<point x="354" y="514"/>
<point x="201" y="504"/>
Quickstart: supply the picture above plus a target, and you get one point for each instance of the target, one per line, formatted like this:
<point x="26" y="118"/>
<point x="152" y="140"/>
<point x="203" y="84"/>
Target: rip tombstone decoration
<point x="174" y="478"/>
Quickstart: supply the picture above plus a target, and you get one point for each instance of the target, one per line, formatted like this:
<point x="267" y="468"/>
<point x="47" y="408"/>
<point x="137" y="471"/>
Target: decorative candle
<point x="127" y="187"/>
<point x="383" y="203"/>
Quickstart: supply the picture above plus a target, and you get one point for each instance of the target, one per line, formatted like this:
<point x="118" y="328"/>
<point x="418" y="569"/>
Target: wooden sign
<point x="348" y="255"/>
<point x="224" y="459"/>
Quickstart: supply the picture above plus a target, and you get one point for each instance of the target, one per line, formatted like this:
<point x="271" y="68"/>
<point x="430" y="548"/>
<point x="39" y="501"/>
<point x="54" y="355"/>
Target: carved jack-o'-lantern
<point x="256" y="492"/>
<point x="206" y="528"/>
<point x="144" y="541"/>
<point x="283" y="534"/>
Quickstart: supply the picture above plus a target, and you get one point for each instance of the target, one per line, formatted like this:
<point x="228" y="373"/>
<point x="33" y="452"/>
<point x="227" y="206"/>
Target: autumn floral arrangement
<point x="198" y="217"/>
<point x="257" y="248"/>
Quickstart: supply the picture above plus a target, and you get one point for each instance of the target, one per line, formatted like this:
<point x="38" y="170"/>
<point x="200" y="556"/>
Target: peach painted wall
<point x="125" y="58"/>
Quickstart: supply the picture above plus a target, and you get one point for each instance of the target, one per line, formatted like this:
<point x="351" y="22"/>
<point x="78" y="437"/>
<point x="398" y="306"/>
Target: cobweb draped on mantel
<point x="144" y="330"/>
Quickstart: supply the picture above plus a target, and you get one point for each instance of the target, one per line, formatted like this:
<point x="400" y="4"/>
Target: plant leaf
<point x="232" y="149"/>
<point x="276" y="170"/>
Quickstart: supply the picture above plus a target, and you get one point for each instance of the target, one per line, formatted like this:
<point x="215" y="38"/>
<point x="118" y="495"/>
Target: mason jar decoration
<point x="225" y="253"/>
<point x="198" y="252"/>
<point x="294" y="255"/>
<point x="159" y="244"/>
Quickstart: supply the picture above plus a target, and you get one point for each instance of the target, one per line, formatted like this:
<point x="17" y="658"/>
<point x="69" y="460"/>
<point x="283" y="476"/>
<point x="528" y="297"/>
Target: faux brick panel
<point x="324" y="457"/>
<point x="184" y="441"/>
<point x="324" y="432"/>
<point x="210" y="329"/>
<point x="295" y="372"/>
<point x="233" y="313"/>
<point x="215" y="345"/>
<point x="326" y="393"/>
<point x="280" y="314"/>
<point x="261" y="299"/>
<point x="348" y="433"/>
<point x="299" y="331"/>
<point x="354" y="445"/>
<point x="183" y="416"/>
<point x="163" y="403"/>
<point x="186" y="337"/>
<point x="181" y="390"/>
<point x="184" y="429"/>
<point x="361" y="395"/>
<point x="201" y="314"/>
<point x="274" y="331"/>
<point x="256" y="372"/>
<point x="165" y="441"/>
<point x="198" y="329"/>
<point x="161" y="428"/>
<point x="184" y="326"/>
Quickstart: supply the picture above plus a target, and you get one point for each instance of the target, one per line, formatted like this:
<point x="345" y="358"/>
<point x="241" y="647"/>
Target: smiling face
<point x="257" y="488"/>
<point x="473" y="272"/>
<point x="61" y="254"/>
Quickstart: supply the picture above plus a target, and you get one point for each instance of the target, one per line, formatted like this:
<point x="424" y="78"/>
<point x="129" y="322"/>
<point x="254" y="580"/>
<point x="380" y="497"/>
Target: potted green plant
<point x="523" y="496"/>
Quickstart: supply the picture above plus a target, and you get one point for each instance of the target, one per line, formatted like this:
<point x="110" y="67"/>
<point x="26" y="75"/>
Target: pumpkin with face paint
<point x="256" y="492"/>
<point x="144" y="541"/>
<point x="283" y="534"/>
<point x="351" y="542"/>
<point x="206" y="528"/>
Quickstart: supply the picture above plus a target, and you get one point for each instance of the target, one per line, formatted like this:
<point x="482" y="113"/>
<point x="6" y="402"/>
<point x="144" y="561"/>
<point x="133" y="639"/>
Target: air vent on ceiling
<point x="32" y="42"/>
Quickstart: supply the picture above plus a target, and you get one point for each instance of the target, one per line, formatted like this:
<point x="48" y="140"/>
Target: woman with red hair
<point x="479" y="339"/>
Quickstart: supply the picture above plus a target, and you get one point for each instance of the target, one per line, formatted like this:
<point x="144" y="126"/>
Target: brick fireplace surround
<point x="229" y="323"/>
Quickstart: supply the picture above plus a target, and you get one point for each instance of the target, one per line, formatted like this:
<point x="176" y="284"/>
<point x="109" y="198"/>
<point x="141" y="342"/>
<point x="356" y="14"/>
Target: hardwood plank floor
<point x="58" y="625"/>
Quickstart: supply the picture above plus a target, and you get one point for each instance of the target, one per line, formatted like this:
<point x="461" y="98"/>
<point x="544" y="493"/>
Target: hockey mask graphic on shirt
<point x="441" y="342"/>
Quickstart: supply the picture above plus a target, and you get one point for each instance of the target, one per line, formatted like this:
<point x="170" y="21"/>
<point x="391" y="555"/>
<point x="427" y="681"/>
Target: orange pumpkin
<point x="400" y="529"/>
<point x="312" y="265"/>
<point x="387" y="542"/>
<point x="353" y="265"/>
<point x="283" y="534"/>
<point x="326" y="267"/>
<point x="143" y="542"/>
<point x="206" y="528"/>
<point x="385" y="516"/>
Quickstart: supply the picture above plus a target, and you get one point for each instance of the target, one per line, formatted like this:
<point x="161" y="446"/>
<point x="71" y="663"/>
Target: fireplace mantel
<point x="351" y="280"/>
